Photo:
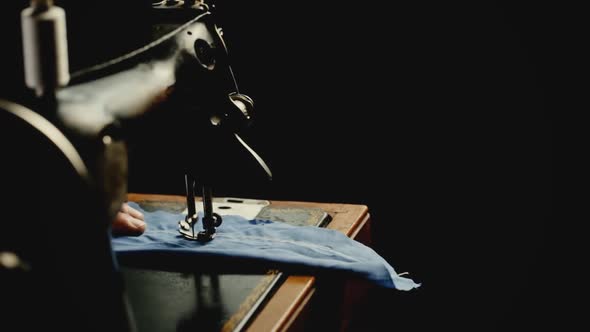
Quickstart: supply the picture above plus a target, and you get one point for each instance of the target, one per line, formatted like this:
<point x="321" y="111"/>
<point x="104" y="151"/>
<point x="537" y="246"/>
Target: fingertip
<point x="135" y="213"/>
<point x="125" y="224"/>
<point x="139" y="225"/>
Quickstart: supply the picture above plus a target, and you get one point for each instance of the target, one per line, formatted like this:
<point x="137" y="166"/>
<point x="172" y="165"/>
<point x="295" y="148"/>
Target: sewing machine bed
<point x="167" y="299"/>
<point x="178" y="301"/>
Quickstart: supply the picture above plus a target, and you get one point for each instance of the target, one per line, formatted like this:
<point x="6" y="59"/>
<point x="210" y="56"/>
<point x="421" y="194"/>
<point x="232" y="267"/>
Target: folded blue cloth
<point x="275" y="244"/>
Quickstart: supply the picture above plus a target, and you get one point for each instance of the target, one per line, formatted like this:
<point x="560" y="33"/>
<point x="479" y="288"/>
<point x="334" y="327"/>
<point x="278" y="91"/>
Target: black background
<point x="437" y="117"/>
<point x="434" y="115"/>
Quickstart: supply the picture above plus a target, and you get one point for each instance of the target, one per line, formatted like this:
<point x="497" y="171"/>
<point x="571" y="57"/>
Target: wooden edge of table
<point x="294" y="293"/>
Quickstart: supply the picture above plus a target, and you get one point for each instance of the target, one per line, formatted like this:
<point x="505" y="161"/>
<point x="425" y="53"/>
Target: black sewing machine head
<point x="64" y="149"/>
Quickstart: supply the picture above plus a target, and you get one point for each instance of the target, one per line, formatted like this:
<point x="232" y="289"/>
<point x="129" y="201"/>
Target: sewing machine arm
<point x="182" y="80"/>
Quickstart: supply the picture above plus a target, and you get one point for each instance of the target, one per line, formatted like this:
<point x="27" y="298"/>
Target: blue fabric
<point x="309" y="248"/>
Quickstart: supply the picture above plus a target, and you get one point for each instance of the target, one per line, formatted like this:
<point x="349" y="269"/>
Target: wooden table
<point x="292" y="304"/>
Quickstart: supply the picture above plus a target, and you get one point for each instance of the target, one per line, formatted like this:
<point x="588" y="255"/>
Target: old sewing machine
<point x="65" y="156"/>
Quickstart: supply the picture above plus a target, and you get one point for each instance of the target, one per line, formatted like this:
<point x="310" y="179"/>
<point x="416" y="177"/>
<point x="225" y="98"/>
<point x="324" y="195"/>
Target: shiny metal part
<point x="210" y="219"/>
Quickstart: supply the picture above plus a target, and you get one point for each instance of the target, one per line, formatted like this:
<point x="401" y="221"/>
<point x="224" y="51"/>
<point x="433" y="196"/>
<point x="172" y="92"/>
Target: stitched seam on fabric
<point x="298" y="243"/>
<point x="268" y="239"/>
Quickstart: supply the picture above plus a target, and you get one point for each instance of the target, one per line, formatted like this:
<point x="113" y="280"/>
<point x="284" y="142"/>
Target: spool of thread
<point x="45" y="47"/>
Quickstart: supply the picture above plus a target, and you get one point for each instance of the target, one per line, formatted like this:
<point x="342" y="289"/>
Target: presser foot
<point x="187" y="228"/>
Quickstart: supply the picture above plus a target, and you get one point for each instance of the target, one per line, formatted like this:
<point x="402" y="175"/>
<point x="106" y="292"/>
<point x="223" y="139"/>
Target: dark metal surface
<point x="181" y="79"/>
<point x="55" y="225"/>
<point x="180" y="301"/>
